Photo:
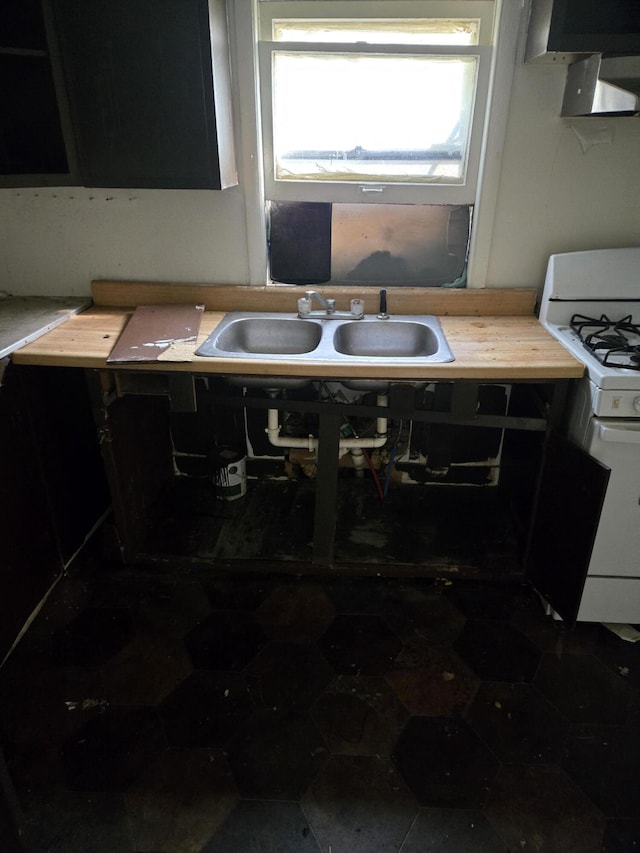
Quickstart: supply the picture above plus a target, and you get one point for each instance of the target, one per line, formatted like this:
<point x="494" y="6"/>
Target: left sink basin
<point x="240" y="335"/>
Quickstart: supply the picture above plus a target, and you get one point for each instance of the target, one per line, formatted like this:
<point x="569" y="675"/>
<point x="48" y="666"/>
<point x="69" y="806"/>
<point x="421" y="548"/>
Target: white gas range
<point x="591" y="304"/>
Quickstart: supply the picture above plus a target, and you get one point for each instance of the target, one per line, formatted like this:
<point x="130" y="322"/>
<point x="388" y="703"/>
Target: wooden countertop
<point x="486" y="347"/>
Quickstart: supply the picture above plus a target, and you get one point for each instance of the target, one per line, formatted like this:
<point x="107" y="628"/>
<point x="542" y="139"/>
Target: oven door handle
<point x="620" y="434"/>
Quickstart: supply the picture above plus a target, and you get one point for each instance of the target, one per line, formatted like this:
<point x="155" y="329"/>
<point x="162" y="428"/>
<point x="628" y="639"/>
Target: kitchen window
<point x="361" y="107"/>
<point x="421" y="139"/>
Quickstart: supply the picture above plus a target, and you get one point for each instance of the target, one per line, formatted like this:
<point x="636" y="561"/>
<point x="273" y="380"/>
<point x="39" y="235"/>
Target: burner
<point x="616" y="343"/>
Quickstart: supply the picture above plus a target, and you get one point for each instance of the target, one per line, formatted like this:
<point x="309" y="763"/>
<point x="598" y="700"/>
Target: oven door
<point x="612" y="588"/>
<point x="568" y="505"/>
<point x="616" y="549"/>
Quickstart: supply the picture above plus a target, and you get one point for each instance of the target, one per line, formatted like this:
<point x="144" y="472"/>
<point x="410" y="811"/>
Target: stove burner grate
<point x="615" y="343"/>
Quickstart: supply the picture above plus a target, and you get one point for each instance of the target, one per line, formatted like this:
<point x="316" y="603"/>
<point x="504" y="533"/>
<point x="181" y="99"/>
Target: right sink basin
<point x="387" y="339"/>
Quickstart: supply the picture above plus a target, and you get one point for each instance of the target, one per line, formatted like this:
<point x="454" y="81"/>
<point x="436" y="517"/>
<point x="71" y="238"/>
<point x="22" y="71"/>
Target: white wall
<point x="555" y="194"/>
<point x="55" y="241"/>
<point x="565" y="184"/>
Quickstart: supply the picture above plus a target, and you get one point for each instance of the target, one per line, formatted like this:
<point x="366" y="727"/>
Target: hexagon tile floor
<point x="184" y="714"/>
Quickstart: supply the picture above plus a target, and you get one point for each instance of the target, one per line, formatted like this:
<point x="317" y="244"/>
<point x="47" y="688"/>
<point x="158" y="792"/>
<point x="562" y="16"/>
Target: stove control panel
<point x="608" y="403"/>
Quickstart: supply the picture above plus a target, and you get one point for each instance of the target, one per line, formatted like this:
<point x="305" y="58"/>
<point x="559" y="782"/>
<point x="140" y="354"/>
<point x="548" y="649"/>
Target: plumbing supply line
<point x="374" y="474"/>
<point x="311" y="442"/>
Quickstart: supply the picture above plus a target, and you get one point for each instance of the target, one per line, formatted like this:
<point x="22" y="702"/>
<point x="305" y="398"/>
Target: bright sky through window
<point x="358" y="111"/>
<point x="413" y="31"/>
<point x="341" y="102"/>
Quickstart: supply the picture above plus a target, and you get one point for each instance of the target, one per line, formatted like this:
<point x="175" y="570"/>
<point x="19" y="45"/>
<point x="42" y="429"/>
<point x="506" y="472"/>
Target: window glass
<point x="392" y="118"/>
<point x="369" y="244"/>
<point x="414" y="31"/>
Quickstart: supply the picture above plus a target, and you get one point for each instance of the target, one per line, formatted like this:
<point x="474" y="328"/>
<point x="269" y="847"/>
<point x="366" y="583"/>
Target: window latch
<point x="372" y="189"/>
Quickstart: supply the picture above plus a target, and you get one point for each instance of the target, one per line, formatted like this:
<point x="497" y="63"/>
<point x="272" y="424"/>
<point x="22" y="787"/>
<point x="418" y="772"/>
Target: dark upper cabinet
<point x="142" y="96"/>
<point x="142" y="80"/>
<point x="33" y="148"/>
<point x="571" y="28"/>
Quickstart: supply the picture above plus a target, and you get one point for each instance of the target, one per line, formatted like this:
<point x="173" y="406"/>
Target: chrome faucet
<point x="328" y="308"/>
<point x="329" y="305"/>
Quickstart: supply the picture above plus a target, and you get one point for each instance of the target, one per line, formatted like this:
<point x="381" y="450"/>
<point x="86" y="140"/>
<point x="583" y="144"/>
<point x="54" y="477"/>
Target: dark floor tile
<point x="237" y="593"/>
<point x="583" y="689"/>
<point x="225" y="641"/>
<point x="605" y="762"/>
<point x="181" y="800"/>
<point x="360" y="645"/>
<point x="65" y="603"/>
<point x="633" y="718"/>
<point x="540" y="808"/>
<point x="93" y="637"/>
<point x="67" y="821"/>
<point x="264" y="827"/>
<point x="174" y="607"/>
<point x="497" y="652"/>
<point x="146" y="670"/>
<point x="432" y="682"/>
<point x="518" y="723"/>
<point x="621" y="836"/>
<point x="35" y="769"/>
<point x="620" y="656"/>
<point x="296" y="612"/>
<point x="61" y="729"/>
<point x="450" y="831"/>
<point x="480" y="600"/>
<point x="423" y="615"/>
<point x="46" y="704"/>
<point x="359" y="804"/>
<point x="287" y="676"/>
<point x="359" y="716"/>
<point x="111" y="750"/>
<point x="207" y="709"/>
<point x="553" y="635"/>
<point x="277" y="755"/>
<point x="444" y="763"/>
<point x="122" y="588"/>
<point x="361" y="595"/>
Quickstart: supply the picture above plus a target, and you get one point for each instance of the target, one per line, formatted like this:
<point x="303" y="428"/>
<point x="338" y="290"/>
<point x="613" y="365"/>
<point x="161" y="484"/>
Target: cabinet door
<point x="142" y="92"/>
<point x="29" y="558"/>
<point x="69" y="453"/>
<point x="576" y="27"/>
<point x="32" y="144"/>
<point x="572" y="491"/>
<point x="592" y="26"/>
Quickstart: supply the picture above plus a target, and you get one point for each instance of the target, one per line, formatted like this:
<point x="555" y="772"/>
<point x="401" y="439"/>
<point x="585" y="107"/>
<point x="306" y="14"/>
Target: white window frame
<point x="510" y="23"/>
<point x="376" y="191"/>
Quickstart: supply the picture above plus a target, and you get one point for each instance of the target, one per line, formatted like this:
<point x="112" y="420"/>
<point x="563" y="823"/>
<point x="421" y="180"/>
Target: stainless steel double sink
<point x="272" y="337"/>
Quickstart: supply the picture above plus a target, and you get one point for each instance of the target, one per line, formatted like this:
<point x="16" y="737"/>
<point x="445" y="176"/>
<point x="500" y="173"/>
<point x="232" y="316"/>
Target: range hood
<point x="598" y="86"/>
